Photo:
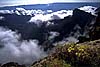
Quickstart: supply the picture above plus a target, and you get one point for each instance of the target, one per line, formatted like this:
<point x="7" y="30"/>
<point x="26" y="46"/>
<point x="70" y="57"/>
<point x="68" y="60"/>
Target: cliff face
<point x="95" y="32"/>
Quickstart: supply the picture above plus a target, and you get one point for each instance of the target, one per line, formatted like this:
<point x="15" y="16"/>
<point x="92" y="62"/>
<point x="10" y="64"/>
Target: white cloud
<point x="48" y="13"/>
<point x="14" y="50"/>
<point x="1" y="18"/>
<point x="6" y="11"/>
<point x="40" y="18"/>
<point x="53" y="35"/>
<point x="71" y="40"/>
<point x="89" y="9"/>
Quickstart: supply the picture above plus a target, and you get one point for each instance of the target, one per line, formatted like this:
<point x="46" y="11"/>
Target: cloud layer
<point x="14" y="50"/>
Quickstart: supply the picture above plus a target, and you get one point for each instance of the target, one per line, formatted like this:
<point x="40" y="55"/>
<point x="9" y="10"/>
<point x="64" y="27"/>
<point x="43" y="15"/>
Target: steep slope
<point x="75" y="26"/>
<point x="85" y="54"/>
<point x="95" y="32"/>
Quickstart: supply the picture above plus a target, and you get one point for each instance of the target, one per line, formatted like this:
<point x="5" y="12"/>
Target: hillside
<point x="85" y="54"/>
<point x="77" y="39"/>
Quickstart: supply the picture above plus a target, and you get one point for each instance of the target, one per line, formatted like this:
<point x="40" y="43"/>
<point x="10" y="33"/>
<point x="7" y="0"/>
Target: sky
<point x="25" y="2"/>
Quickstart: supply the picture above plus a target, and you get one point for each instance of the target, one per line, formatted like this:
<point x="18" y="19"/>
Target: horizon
<point x="4" y="3"/>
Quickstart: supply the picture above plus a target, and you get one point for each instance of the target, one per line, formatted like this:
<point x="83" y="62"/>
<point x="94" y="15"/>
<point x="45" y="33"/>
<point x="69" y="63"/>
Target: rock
<point x="97" y="10"/>
<point x="12" y="64"/>
<point x="95" y="32"/>
<point x="0" y="65"/>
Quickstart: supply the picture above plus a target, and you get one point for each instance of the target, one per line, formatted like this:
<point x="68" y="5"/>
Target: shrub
<point x="73" y="55"/>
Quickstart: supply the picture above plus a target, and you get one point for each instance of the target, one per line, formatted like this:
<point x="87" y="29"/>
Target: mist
<point x="14" y="50"/>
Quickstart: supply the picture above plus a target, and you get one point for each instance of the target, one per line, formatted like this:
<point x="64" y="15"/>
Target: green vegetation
<point x="73" y="55"/>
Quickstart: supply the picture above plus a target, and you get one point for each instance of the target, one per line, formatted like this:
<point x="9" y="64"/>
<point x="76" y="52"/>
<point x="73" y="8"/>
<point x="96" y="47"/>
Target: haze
<point x="26" y="2"/>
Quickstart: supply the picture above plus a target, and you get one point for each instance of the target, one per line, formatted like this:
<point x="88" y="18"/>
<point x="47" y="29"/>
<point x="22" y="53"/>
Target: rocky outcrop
<point x="0" y="65"/>
<point x="95" y="32"/>
<point x="12" y="64"/>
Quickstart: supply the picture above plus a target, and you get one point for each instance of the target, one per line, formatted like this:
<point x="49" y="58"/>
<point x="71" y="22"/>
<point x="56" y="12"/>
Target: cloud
<point x="41" y="18"/>
<point x="53" y="35"/>
<point x="2" y="18"/>
<point x="48" y="14"/>
<point x="55" y="15"/>
<point x="89" y="9"/>
<point x="6" y="11"/>
<point x="12" y="49"/>
<point x="71" y="39"/>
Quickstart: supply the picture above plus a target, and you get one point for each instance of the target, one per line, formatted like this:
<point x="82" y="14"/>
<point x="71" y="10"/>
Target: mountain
<point x="74" y="26"/>
<point x="94" y="34"/>
<point x="56" y="28"/>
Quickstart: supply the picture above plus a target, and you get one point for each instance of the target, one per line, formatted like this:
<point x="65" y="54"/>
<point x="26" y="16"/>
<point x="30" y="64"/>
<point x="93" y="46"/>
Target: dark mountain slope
<point x="20" y="23"/>
<point x="95" y="32"/>
<point x="69" y="26"/>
